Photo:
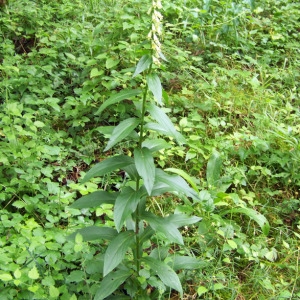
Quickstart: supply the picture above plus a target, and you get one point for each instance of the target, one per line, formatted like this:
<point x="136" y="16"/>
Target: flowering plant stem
<point x="135" y="227"/>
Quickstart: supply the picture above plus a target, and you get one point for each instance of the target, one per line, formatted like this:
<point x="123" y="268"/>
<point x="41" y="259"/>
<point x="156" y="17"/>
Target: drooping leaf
<point x="155" y="87"/>
<point x="125" y="205"/>
<point x="125" y="94"/>
<point x="107" y="166"/>
<point x="165" y="273"/>
<point x="213" y="170"/>
<point x="92" y="233"/>
<point x="252" y="214"/>
<point x="144" y="164"/>
<point x="146" y="234"/>
<point x="156" y="145"/>
<point x="116" y="250"/>
<point x="143" y="64"/>
<point x="187" y="263"/>
<point x="175" y="183"/>
<point x="131" y="172"/>
<point x="122" y="131"/>
<point x="160" y="188"/>
<point x="164" y="226"/>
<point x="158" y="128"/>
<point x="110" y="283"/>
<point x="184" y="175"/>
<point x="160" y="116"/>
<point x="180" y="220"/>
<point x="95" y="199"/>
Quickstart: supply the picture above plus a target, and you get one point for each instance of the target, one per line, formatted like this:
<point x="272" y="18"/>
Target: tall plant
<point x="148" y="273"/>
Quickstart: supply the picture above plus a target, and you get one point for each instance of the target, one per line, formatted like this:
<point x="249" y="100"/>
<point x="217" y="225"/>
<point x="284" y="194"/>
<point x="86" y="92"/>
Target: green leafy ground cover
<point x="230" y="88"/>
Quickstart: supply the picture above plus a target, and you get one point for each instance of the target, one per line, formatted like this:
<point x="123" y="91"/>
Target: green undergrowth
<point x="230" y="88"/>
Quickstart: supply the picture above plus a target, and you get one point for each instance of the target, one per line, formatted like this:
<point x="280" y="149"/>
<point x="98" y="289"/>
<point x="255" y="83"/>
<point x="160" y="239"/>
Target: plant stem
<point x="137" y="212"/>
<point x="144" y="110"/>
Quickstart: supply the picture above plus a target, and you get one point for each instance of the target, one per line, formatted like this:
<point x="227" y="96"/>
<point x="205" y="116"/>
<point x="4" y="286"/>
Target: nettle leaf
<point x="155" y="87"/>
<point x="92" y="233"/>
<point x="164" y="226"/>
<point x="163" y="120"/>
<point x="184" y="175"/>
<point x="110" y="63"/>
<point x="122" y="131"/>
<point x="175" y="184"/>
<point x="125" y="94"/>
<point x="53" y="102"/>
<point x="143" y="64"/>
<point x="116" y="250"/>
<point x="53" y="292"/>
<point x="125" y="205"/>
<point x="110" y="283"/>
<point x="95" y="72"/>
<point x="252" y="214"/>
<point x="213" y="170"/>
<point x="107" y="166"/>
<point x="95" y="199"/>
<point x="166" y="274"/>
<point x="7" y="277"/>
<point x="144" y="164"/>
<point x="33" y="273"/>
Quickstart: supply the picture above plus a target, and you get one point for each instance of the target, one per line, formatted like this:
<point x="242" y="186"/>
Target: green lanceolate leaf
<point x="252" y="214"/>
<point x="158" y="128"/>
<point x="144" y="164"/>
<point x="131" y="172"/>
<point x="146" y="234"/>
<point x="116" y="250"/>
<point x="165" y="273"/>
<point x="125" y="94"/>
<point x="125" y="205"/>
<point x="175" y="184"/>
<point x="95" y="199"/>
<point x="213" y="170"/>
<point x="155" y="87"/>
<point x="92" y="233"/>
<point x="184" y="175"/>
<point x="110" y="283"/>
<point x="164" y="226"/>
<point x="156" y="145"/>
<point x="187" y="262"/>
<point x="160" y="188"/>
<point x="181" y="219"/>
<point x="122" y="131"/>
<point x="108" y="165"/>
<point x="165" y="123"/>
<point x="143" y="64"/>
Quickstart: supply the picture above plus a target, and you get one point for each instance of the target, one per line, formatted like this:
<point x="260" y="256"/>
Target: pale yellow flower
<point x="156" y="30"/>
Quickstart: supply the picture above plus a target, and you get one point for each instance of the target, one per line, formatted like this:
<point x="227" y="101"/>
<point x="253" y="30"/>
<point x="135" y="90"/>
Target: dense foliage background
<point x="231" y="86"/>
